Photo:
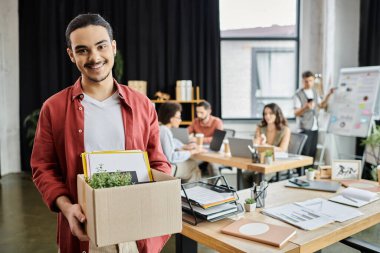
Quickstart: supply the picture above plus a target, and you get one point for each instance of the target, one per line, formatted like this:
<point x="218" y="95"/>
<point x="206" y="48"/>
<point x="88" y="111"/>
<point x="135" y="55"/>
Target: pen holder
<point x="260" y="199"/>
<point x="255" y="157"/>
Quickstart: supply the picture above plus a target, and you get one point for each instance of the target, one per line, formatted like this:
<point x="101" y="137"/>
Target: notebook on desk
<point x="355" y="197"/>
<point x="328" y="186"/>
<point x="260" y="232"/>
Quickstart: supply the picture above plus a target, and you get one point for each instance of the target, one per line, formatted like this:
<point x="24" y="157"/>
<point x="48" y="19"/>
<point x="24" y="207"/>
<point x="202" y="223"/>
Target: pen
<point x="251" y="149"/>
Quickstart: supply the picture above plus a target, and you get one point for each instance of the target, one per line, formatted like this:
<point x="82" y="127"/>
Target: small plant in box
<point x="104" y="179"/>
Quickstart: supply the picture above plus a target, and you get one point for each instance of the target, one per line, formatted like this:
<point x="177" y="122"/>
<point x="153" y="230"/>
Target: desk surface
<point x="304" y="241"/>
<point x="246" y="164"/>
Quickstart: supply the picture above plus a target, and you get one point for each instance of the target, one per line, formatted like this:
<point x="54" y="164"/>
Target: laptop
<point x="217" y="140"/>
<point x="239" y="147"/>
<point x="328" y="186"/>
<point x="181" y="134"/>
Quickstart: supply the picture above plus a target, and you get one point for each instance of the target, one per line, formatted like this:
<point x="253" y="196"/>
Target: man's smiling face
<point x="93" y="53"/>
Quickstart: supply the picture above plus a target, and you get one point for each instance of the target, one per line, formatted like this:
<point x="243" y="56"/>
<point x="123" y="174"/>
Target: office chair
<point x="296" y="144"/>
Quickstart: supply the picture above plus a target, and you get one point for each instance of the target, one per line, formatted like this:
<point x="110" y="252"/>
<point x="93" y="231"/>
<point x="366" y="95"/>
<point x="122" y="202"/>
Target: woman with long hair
<point x="273" y="129"/>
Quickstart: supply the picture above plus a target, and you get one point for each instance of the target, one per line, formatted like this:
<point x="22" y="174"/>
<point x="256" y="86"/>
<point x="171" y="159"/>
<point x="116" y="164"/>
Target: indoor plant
<point x="372" y="151"/>
<point x="268" y="157"/>
<point x="250" y="205"/>
<point x="310" y="174"/>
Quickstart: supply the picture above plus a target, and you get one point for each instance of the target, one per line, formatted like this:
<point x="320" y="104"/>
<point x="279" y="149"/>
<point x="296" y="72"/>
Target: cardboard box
<point x="134" y="212"/>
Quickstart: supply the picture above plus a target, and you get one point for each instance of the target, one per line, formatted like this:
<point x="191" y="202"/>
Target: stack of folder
<point x="208" y="204"/>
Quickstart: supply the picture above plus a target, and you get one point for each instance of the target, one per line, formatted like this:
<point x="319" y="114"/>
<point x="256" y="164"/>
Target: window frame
<point x="295" y="39"/>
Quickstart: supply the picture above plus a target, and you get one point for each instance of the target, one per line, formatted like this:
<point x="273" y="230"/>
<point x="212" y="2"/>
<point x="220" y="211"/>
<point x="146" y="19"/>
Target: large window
<point x="259" y="56"/>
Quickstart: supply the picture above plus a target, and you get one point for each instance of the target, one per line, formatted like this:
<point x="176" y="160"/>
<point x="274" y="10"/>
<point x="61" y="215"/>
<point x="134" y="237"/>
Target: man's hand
<point x="74" y="216"/>
<point x="309" y="105"/>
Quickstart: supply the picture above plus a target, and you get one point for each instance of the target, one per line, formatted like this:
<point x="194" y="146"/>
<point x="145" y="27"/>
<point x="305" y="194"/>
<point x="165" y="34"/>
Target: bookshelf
<point x="186" y="104"/>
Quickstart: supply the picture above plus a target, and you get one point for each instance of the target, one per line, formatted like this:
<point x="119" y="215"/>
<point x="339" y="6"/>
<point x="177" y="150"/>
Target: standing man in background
<point x="306" y="104"/>
<point x="205" y="123"/>
<point x="96" y="113"/>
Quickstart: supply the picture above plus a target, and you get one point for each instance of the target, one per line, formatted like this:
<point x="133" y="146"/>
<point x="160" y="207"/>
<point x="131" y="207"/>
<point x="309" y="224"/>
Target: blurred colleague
<point x="306" y="104"/>
<point x="205" y="123"/>
<point x="169" y="116"/>
<point x="273" y="129"/>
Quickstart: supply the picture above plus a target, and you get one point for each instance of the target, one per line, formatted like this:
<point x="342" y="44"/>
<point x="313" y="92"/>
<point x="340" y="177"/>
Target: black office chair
<point x="296" y="144"/>
<point x="230" y="133"/>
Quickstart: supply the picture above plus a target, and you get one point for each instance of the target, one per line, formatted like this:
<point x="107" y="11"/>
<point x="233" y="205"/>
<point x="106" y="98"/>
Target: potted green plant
<point x="250" y="205"/>
<point x="268" y="157"/>
<point x="372" y="151"/>
<point x="30" y="124"/>
<point x="310" y="174"/>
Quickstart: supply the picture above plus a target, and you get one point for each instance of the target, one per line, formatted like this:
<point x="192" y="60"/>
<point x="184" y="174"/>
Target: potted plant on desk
<point x="268" y="157"/>
<point x="250" y="205"/>
<point x="310" y="174"/>
<point x="372" y="151"/>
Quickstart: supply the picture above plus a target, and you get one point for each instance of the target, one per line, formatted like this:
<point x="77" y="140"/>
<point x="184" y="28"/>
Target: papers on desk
<point x="355" y="197"/>
<point x="286" y="156"/>
<point x="312" y="214"/>
<point x="212" y="212"/>
<point x="206" y="198"/>
<point x="333" y="210"/>
<point x="298" y="216"/>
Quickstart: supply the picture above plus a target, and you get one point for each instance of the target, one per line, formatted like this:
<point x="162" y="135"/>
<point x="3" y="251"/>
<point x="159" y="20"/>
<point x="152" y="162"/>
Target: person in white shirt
<point x="169" y="116"/>
<point x="306" y="104"/>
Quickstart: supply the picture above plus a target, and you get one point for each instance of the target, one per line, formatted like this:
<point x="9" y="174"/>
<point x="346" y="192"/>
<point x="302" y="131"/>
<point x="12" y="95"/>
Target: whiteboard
<point x="355" y="101"/>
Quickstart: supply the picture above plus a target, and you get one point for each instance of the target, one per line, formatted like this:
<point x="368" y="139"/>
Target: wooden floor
<point x="26" y="224"/>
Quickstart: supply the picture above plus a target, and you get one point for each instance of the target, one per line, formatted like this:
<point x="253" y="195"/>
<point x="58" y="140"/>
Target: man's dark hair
<point x="204" y="104"/>
<point x="83" y="20"/>
<point x="307" y="74"/>
<point x="167" y="111"/>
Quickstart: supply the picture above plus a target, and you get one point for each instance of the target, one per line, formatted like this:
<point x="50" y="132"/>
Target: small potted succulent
<point x="268" y="157"/>
<point x="250" y="205"/>
<point x="310" y="174"/>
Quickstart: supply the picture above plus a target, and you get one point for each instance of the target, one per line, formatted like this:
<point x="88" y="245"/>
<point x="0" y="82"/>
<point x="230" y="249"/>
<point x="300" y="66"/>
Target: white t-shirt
<point x="297" y="104"/>
<point x="103" y="124"/>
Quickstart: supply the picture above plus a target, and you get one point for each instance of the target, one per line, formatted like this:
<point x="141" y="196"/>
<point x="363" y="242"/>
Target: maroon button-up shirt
<point x="59" y="141"/>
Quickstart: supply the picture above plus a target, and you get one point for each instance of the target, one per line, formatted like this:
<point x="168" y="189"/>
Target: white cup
<point x="199" y="139"/>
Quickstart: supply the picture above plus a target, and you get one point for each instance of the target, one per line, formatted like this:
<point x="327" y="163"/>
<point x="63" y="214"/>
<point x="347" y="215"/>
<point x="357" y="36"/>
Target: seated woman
<point x="273" y="129"/>
<point x="169" y="115"/>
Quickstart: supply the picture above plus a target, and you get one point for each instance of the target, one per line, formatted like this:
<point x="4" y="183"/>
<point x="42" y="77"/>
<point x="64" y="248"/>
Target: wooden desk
<point x="304" y="241"/>
<point x="246" y="164"/>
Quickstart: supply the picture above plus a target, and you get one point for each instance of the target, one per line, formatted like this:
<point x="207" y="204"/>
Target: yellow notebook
<point x="135" y="162"/>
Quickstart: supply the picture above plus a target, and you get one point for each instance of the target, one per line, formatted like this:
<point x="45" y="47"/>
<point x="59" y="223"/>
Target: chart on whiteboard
<point x="355" y="101"/>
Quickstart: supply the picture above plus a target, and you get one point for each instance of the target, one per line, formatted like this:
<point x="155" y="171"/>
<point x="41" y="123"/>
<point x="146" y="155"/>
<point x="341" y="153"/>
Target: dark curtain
<point x="161" y="41"/>
<point x="369" y="50"/>
<point x="369" y="39"/>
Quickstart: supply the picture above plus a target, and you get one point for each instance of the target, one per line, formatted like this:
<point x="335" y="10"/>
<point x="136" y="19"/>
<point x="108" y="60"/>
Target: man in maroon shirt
<point x="205" y="123"/>
<point x="60" y="136"/>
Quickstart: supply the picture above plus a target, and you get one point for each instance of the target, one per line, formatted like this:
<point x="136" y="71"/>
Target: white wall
<point x="342" y="23"/>
<point x="9" y="88"/>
